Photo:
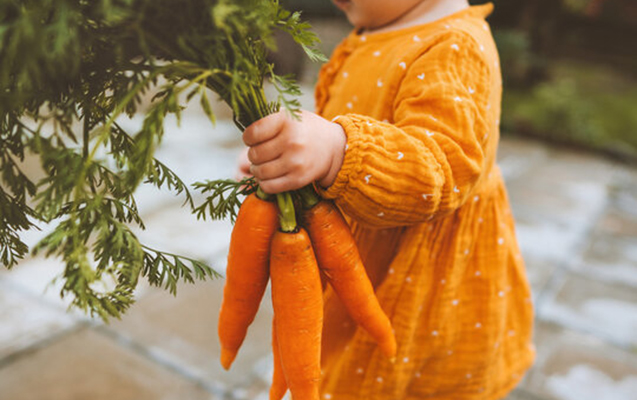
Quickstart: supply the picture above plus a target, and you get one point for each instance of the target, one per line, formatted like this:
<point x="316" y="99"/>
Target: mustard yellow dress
<point x="429" y="210"/>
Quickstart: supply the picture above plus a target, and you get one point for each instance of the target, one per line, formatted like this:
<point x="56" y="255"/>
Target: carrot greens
<point x="69" y="71"/>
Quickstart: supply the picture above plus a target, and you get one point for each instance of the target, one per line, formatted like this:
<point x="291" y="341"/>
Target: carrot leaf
<point x="226" y="197"/>
<point x="69" y="72"/>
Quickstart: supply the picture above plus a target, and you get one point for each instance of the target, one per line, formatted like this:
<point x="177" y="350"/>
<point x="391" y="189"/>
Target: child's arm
<point x="428" y="161"/>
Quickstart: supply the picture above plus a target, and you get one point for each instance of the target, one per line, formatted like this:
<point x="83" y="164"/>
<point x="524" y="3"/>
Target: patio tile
<point x="177" y="230"/>
<point x="608" y="311"/>
<point x="86" y="365"/>
<point x="518" y="156"/>
<point x="580" y="166"/>
<point x="611" y="258"/>
<point x="567" y="187"/>
<point x="612" y="252"/>
<point x="523" y="395"/>
<point x="182" y="331"/>
<point x="566" y="202"/>
<point x="25" y="321"/>
<point x="576" y="366"/>
<point x="40" y="278"/>
<point x="625" y="190"/>
<point x="544" y="239"/>
<point x="37" y="277"/>
<point x="539" y="272"/>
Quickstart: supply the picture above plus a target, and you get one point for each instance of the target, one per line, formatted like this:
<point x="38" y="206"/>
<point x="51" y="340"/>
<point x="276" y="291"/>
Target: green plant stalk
<point x="262" y="195"/>
<point x="287" y="214"/>
<point x="256" y="107"/>
<point x="309" y="197"/>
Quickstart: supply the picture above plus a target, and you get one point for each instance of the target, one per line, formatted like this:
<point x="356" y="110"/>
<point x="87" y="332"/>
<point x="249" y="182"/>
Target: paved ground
<point x="577" y="224"/>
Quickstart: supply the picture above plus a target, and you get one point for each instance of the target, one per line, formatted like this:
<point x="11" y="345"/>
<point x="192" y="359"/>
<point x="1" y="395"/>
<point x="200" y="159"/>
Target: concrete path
<point x="577" y="226"/>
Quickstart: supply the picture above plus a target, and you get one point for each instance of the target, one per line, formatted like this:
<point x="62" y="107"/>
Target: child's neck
<point x="424" y="12"/>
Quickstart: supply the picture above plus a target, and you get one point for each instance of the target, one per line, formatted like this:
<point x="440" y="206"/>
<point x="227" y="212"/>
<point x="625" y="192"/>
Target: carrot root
<point x="298" y="309"/>
<point x="279" y="384"/>
<point x="339" y="260"/>
<point x="246" y="274"/>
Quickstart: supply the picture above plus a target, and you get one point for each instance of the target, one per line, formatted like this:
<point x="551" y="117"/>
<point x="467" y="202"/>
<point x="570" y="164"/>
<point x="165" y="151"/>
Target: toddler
<point x="404" y="140"/>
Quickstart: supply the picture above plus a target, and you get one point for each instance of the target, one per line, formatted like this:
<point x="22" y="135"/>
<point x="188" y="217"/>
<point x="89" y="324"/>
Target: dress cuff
<point x="352" y="164"/>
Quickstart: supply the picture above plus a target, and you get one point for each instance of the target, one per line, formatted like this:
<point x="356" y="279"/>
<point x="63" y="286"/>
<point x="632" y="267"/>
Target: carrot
<point x="340" y="261"/>
<point x="298" y="309"/>
<point x="279" y="384"/>
<point x="246" y="274"/>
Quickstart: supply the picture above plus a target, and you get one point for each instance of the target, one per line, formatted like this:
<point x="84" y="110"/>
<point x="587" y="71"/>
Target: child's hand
<point x="287" y="154"/>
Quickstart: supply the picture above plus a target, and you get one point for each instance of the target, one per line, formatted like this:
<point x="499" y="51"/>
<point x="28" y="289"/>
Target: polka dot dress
<point x="426" y="202"/>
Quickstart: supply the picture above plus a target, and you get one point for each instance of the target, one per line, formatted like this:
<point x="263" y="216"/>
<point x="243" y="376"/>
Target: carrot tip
<point x="227" y="357"/>
<point x="277" y="393"/>
<point x="389" y="349"/>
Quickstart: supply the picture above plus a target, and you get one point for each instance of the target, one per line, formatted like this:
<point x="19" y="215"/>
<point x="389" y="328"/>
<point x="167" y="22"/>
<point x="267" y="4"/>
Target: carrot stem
<point x="262" y="195"/>
<point x="287" y="215"/>
<point x="309" y="197"/>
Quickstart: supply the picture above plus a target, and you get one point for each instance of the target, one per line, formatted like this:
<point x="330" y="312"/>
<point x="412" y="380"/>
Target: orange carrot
<point x="298" y="309"/>
<point x="246" y="274"/>
<point x="279" y="384"/>
<point x="340" y="261"/>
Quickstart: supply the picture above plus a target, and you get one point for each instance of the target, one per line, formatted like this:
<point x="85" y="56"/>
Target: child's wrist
<point x="337" y="154"/>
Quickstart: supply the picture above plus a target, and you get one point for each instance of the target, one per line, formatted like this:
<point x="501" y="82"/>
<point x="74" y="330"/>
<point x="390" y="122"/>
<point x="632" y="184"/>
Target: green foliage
<point x="225" y="197"/>
<point x="69" y="70"/>
<point x="559" y="108"/>
<point x="576" y="5"/>
<point x="585" y="105"/>
<point x="516" y="57"/>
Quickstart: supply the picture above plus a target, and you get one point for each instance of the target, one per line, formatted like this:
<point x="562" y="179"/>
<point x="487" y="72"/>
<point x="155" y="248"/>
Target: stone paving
<point x="577" y="227"/>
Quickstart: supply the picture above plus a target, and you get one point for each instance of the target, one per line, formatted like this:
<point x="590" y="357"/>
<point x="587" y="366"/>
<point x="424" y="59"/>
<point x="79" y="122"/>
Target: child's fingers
<point x="264" y="129"/>
<point x="281" y="175"/>
<point x="295" y="165"/>
<point x="281" y="184"/>
<point x="265" y="151"/>
<point x="269" y="170"/>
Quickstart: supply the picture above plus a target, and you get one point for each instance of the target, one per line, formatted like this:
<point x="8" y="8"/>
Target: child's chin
<point x="356" y="21"/>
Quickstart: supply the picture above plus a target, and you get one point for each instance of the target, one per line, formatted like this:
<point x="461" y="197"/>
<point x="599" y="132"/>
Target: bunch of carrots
<point x="267" y="243"/>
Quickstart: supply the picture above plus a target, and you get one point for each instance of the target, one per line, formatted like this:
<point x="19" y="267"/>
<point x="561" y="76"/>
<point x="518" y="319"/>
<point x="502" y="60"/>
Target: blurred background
<point x="568" y="154"/>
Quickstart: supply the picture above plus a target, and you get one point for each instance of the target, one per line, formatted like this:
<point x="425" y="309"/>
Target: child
<point x="404" y="140"/>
